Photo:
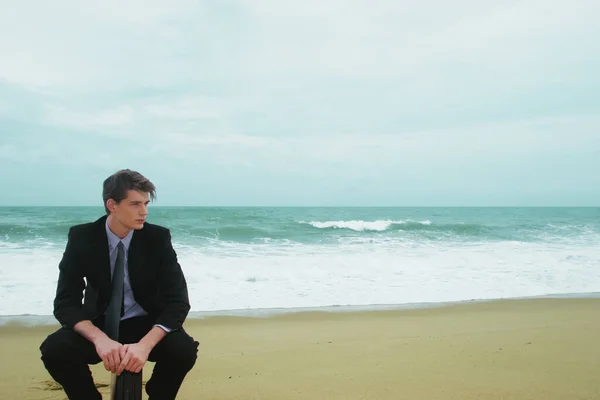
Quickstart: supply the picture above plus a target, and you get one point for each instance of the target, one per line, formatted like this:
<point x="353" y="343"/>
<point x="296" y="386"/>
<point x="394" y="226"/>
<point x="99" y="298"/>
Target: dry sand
<point x="547" y="349"/>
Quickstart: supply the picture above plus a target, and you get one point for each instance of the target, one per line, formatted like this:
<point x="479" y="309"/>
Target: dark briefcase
<point x="127" y="386"/>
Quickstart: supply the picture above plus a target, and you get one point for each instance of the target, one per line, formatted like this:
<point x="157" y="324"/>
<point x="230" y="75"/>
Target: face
<point x="131" y="212"/>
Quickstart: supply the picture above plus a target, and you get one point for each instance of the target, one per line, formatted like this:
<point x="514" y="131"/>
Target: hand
<point x="110" y="352"/>
<point x="135" y="358"/>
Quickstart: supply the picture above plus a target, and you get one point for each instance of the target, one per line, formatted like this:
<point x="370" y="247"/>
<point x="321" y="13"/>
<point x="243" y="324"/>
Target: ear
<point x="111" y="205"/>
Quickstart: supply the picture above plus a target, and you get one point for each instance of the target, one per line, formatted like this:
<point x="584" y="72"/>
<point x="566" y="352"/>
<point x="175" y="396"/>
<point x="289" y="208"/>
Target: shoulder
<point x="84" y="235"/>
<point x="82" y="228"/>
<point x="155" y="236"/>
<point x="155" y="231"/>
<point x="86" y="229"/>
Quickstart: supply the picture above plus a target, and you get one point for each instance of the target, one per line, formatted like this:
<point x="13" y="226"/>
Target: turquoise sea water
<point x="31" y="226"/>
<point x="251" y="258"/>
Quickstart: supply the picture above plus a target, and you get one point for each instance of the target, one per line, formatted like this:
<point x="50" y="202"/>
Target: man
<point x="154" y="302"/>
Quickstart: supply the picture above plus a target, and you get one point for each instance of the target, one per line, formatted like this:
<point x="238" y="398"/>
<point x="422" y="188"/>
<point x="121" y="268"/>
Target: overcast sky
<point x="255" y="102"/>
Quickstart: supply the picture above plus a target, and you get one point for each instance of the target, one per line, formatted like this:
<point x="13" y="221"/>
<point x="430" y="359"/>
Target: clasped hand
<point x="118" y="357"/>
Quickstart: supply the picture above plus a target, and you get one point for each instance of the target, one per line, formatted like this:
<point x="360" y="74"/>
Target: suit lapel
<point x="102" y="255"/>
<point x="135" y="258"/>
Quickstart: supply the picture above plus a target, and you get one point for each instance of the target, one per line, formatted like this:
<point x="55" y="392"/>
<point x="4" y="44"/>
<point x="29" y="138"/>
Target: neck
<point x="117" y="228"/>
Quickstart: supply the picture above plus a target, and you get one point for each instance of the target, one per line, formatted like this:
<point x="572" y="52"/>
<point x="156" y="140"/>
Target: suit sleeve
<point x="69" y="291"/>
<point x="173" y="289"/>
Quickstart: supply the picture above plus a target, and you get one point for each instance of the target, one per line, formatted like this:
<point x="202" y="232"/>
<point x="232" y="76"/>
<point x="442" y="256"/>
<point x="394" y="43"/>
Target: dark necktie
<point x="115" y="306"/>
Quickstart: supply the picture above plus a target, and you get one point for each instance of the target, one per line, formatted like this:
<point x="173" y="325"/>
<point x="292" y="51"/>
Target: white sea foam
<point x="360" y="225"/>
<point x="285" y="275"/>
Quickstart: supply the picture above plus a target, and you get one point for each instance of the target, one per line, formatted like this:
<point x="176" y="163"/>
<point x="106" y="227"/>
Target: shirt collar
<point x="113" y="240"/>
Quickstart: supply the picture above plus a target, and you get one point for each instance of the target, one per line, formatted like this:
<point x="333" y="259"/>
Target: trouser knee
<point x="187" y="356"/>
<point x="183" y="354"/>
<point x="50" y="351"/>
<point x="65" y="346"/>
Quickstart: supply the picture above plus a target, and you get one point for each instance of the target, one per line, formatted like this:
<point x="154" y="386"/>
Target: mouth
<point x="140" y="221"/>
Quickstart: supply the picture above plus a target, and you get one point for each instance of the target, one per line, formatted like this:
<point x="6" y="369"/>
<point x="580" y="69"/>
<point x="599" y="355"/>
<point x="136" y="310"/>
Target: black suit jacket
<point x="157" y="280"/>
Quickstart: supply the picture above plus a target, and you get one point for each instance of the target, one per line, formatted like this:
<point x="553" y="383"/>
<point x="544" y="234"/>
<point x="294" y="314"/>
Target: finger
<point x="116" y="352"/>
<point x="131" y="364"/>
<point x="109" y="362"/>
<point x="116" y="360"/>
<point x="122" y="351"/>
<point x="106" y="365"/>
<point x="123" y="363"/>
<point x="139" y="368"/>
<point x="104" y="359"/>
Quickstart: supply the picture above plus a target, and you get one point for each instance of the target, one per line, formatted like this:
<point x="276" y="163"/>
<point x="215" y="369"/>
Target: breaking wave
<point x="360" y="225"/>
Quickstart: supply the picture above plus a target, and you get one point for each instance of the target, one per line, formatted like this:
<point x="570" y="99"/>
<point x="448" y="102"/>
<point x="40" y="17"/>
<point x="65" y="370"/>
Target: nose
<point x="144" y="209"/>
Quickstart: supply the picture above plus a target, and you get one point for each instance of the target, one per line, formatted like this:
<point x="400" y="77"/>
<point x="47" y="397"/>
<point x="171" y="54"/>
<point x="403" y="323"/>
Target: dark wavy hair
<point x="118" y="184"/>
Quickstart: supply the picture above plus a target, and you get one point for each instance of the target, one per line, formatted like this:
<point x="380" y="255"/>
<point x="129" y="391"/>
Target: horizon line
<point x="313" y="206"/>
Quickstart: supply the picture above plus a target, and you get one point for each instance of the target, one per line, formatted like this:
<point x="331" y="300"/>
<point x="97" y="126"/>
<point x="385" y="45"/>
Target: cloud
<point x="188" y="107"/>
<point x="62" y="116"/>
<point x="390" y="97"/>
<point x="116" y="44"/>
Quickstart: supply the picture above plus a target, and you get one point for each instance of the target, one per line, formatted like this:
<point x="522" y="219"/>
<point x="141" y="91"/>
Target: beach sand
<point x="512" y="349"/>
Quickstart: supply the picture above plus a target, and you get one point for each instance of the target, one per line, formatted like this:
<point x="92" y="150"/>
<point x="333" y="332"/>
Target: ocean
<point x="244" y="260"/>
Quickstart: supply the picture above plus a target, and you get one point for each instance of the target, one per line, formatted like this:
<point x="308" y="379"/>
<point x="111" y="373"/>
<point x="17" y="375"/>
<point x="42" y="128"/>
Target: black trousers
<point x="66" y="355"/>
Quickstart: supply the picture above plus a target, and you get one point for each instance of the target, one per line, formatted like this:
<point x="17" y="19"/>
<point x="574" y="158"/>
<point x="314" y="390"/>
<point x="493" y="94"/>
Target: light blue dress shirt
<point x="130" y="306"/>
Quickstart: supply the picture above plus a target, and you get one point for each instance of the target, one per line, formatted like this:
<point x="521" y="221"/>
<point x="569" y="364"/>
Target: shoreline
<point x="33" y="320"/>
